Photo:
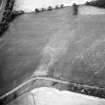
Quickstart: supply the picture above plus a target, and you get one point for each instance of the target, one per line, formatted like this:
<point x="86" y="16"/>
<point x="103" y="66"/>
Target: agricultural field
<point x="53" y="43"/>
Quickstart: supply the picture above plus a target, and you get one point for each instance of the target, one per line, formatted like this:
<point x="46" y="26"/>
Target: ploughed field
<point x="52" y="96"/>
<point x="56" y="44"/>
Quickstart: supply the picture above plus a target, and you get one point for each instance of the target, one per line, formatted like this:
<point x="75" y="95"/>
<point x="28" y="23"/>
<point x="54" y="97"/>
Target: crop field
<point x="55" y="43"/>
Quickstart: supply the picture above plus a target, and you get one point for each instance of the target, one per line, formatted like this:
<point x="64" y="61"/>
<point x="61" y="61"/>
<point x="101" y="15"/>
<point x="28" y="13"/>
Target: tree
<point x="49" y="8"/>
<point x="37" y="10"/>
<point x="98" y="3"/>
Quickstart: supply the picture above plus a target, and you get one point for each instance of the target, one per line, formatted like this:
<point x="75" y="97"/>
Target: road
<point x="54" y="43"/>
